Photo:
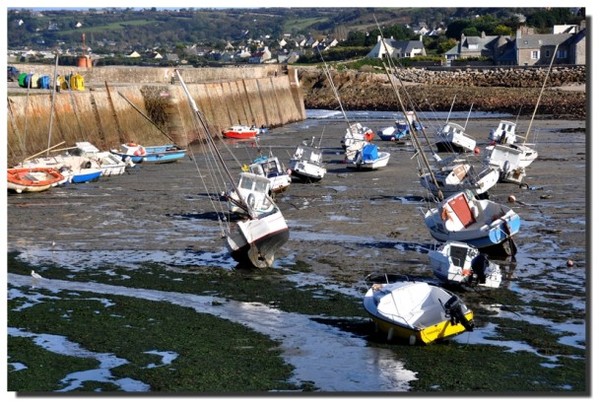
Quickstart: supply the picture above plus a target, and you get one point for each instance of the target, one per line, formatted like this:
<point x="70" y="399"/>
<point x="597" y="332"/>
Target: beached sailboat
<point x="399" y="131"/>
<point x="453" y="138"/>
<point x="255" y="237"/>
<point x="366" y="156"/>
<point x="269" y="167"/>
<point x="76" y="169"/>
<point x="459" y="175"/>
<point x="355" y="132"/>
<point x="506" y="152"/>
<point x="111" y="164"/>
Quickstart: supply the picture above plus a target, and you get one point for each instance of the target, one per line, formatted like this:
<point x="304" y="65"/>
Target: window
<point x="561" y="54"/>
<point x="535" y="54"/>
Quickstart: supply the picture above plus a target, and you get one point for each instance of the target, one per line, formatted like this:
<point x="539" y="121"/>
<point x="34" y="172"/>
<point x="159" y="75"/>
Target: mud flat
<point x="342" y="229"/>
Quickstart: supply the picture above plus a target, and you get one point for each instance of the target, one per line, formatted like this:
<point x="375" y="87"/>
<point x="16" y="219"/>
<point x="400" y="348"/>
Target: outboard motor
<point x="454" y="310"/>
<point x="479" y="264"/>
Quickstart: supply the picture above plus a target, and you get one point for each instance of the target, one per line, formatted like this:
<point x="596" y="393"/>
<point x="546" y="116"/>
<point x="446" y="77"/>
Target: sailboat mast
<point x="212" y="143"/>
<point x="52" y="105"/>
<point x="335" y="92"/>
<point x="540" y="95"/>
<point x="411" y="130"/>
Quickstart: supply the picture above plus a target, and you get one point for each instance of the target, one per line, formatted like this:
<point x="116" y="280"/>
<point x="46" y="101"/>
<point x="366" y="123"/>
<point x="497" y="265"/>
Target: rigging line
<point x="202" y="120"/>
<point x="221" y="218"/>
<point x="392" y="65"/>
<point x="335" y="91"/>
<point x="412" y="132"/>
<point x="216" y="175"/>
<point x="136" y="108"/>
<point x="237" y="161"/>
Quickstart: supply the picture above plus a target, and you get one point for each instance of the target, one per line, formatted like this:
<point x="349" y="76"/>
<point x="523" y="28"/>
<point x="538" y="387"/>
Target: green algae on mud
<point x="223" y="357"/>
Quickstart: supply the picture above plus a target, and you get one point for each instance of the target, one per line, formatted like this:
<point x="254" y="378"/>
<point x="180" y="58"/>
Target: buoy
<point x="570" y="263"/>
<point x="476" y="150"/>
<point x="512" y="199"/>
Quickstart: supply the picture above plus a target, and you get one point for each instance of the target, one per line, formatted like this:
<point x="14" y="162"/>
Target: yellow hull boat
<point x="417" y="312"/>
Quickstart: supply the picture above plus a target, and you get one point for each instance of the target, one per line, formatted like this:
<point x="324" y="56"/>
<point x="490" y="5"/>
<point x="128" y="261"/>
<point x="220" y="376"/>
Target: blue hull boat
<point x="154" y="154"/>
<point x="86" y="175"/>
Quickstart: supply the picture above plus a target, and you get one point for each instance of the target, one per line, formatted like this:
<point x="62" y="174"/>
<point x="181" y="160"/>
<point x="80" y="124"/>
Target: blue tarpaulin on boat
<point x="370" y="152"/>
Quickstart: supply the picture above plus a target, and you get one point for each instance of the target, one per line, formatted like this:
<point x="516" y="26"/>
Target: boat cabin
<point x="254" y="190"/>
<point x="505" y="133"/>
<point x="459" y="212"/>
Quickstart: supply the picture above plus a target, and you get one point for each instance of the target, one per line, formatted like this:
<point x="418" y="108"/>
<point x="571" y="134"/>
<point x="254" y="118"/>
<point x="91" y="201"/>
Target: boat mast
<point x="52" y="105"/>
<point x="451" y="107"/>
<point x="201" y="119"/>
<point x="411" y="130"/>
<point x="335" y="92"/>
<point x="540" y="95"/>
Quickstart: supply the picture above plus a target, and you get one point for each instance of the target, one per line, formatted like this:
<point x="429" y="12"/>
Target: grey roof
<point x="535" y="41"/>
<point x="404" y="46"/>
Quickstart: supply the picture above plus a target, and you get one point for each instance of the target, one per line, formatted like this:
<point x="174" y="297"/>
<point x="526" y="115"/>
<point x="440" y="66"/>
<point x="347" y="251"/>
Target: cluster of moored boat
<point x="83" y="163"/>
<point x="467" y="224"/>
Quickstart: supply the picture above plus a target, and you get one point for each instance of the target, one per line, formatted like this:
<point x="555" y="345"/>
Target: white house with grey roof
<point x="397" y="49"/>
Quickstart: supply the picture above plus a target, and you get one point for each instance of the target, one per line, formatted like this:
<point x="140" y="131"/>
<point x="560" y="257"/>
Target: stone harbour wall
<point x="125" y="104"/>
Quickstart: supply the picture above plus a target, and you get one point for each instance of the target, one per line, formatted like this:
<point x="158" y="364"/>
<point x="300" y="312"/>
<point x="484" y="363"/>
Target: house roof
<point x="404" y="46"/>
<point x="535" y="41"/>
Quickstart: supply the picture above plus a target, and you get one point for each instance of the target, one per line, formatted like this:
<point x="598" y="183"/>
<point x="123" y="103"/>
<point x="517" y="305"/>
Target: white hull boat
<point x="307" y="164"/>
<point x="485" y="224"/>
<point x="274" y="171"/>
<point x="255" y="238"/>
<point x="452" y="138"/>
<point x="460" y="177"/>
<point x="111" y="164"/>
<point x="367" y="157"/>
<point x="456" y="262"/>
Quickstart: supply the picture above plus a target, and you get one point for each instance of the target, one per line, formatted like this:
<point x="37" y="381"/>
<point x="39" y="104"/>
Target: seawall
<point x="122" y="104"/>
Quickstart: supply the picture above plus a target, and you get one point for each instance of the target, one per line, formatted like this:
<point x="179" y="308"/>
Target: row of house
<point x="526" y="49"/>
